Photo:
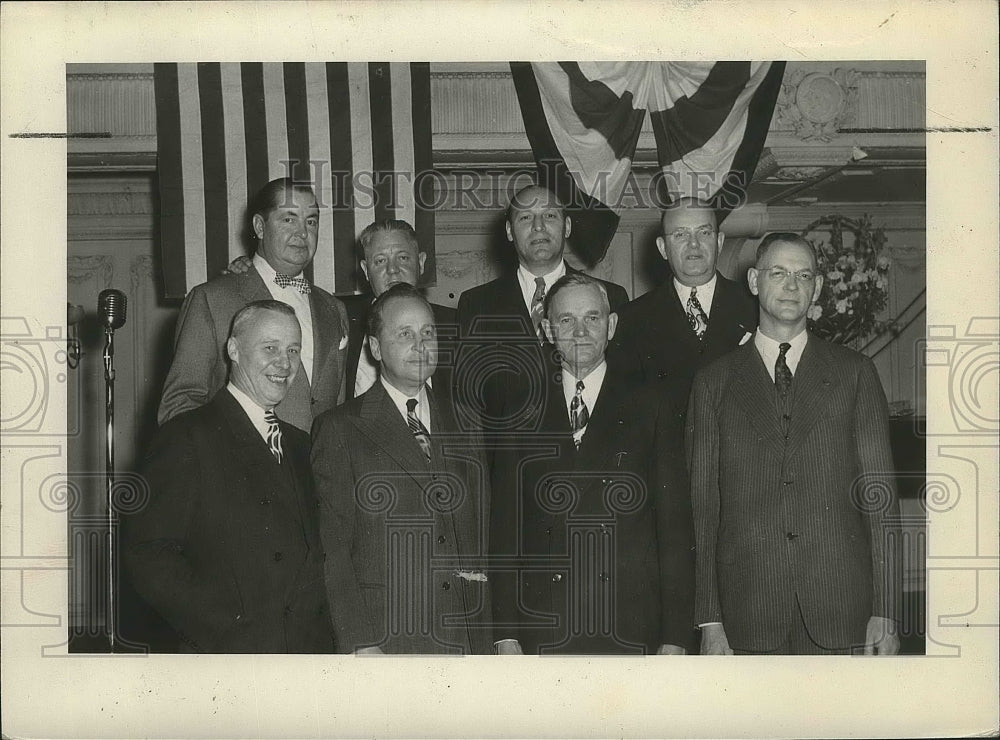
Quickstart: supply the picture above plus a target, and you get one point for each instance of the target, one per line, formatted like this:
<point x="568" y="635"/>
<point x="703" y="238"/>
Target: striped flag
<point x="583" y="119"/>
<point x="360" y="133"/>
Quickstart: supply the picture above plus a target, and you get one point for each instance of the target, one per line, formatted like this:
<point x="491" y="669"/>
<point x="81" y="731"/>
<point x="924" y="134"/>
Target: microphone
<point x="111" y="308"/>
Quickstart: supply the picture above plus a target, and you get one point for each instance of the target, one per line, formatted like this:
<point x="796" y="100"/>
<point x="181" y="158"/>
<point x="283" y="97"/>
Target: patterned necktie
<point x="420" y="432"/>
<point x="696" y="314"/>
<point x="782" y="373"/>
<point x="537" y="302"/>
<point x="578" y="413"/>
<point x="273" y="434"/>
<point x="283" y="281"/>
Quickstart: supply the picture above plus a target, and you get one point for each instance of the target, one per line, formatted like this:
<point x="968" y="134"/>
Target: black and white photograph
<point x="512" y="396"/>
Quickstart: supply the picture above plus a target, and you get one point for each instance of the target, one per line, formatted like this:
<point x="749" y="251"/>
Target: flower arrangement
<point x="855" y="282"/>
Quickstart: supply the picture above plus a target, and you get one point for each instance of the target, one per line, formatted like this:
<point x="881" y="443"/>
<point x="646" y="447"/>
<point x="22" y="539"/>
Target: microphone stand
<point x="109" y="385"/>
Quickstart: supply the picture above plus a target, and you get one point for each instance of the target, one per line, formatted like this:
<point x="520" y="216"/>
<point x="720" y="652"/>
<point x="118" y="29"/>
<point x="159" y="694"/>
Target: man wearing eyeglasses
<point x="698" y="315"/>
<point x="791" y="483"/>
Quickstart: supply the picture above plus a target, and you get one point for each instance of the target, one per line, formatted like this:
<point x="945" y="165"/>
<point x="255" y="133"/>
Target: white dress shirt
<point x="527" y="281"/>
<point x="399" y="399"/>
<point x="367" y="372"/>
<point x="253" y="410"/>
<point x="591" y="390"/>
<point x="706" y="293"/>
<point x="299" y="301"/>
<point x="769" y="351"/>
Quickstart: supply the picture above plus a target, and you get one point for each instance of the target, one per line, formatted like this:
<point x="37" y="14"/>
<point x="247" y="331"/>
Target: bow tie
<point x="298" y="283"/>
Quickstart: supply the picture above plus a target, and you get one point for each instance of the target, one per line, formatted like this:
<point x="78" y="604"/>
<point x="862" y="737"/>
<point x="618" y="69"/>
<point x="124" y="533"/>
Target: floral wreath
<point x="855" y="282"/>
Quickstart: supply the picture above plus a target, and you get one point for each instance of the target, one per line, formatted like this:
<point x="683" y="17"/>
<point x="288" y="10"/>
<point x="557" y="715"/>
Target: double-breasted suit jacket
<point x="227" y="548"/>
<point x="405" y="538"/>
<point x="200" y="365"/>
<point x="359" y="307"/>
<point x="499" y="349"/>
<point x="804" y="514"/>
<point x="654" y="340"/>
<point x="593" y="548"/>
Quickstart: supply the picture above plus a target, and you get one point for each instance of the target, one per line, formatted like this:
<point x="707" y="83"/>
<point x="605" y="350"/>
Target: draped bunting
<point x="583" y="119"/>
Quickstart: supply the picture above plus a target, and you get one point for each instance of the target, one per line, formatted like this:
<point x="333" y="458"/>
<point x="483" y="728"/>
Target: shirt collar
<point x="265" y="270"/>
<point x="399" y="399"/>
<point x="592" y="384"/>
<point x="769" y="350"/>
<point x="527" y="280"/>
<point x="706" y="293"/>
<point x="251" y="407"/>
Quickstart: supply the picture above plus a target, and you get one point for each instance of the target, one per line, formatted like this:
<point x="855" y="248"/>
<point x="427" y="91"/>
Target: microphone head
<point x="111" y="308"/>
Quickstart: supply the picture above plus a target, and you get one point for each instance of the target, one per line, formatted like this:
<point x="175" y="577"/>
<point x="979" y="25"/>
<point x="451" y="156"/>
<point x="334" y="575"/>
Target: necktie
<point x="273" y="434"/>
<point x="283" y="281"/>
<point x="420" y="432"/>
<point x="578" y="413"/>
<point x="782" y="373"/>
<point x="537" y="302"/>
<point x="696" y="314"/>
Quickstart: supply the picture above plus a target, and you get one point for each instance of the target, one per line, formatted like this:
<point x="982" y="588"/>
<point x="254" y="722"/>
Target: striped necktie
<point x="578" y="413"/>
<point x="420" y="432"/>
<point x="273" y="434"/>
<point x="537" y="305"/>
<point x="696" y="314"/>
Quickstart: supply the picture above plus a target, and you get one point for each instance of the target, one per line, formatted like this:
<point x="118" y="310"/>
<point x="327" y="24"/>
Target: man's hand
<point x="238" y="266"/>
<point x="666" y="649"/>
<point x="509" y="647"/>
<point x="880" y="637"/>
<point x="714" y="640"/>
<point x="373" y="650"/>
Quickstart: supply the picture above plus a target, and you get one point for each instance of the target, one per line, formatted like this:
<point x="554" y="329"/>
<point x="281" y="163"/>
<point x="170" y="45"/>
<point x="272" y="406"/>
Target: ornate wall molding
<point x="475" y="105"/>
<point x="80" y="269"/>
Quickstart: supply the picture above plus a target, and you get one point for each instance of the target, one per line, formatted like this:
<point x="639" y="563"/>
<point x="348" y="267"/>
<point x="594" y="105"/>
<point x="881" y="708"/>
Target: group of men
<point x="550" y="469"/>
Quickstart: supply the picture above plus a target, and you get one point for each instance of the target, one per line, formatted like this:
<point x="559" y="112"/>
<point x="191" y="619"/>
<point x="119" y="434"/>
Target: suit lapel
<point x="252" y="451"/>
<point x="513" y="301"/>
<point x="387" y="429"/>
<point x="250" y="286"/>
<point x="753" y="390"/>
<point x="326" y="332"/>
<point x="812" y="387"/>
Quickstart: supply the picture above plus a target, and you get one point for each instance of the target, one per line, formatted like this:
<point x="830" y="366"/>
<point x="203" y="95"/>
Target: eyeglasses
<point x="702" y="233"/>
<point x="780" y="275"/>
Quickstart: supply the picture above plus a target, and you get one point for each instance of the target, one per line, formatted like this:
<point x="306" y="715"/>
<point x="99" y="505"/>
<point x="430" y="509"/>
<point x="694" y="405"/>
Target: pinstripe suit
<point x="783" y="519"/>
<point x="398" y="530"/>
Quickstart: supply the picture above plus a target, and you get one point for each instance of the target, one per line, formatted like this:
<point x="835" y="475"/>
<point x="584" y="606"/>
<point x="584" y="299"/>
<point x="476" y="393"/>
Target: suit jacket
<point x="803" y="516"/>
<point x="200" y="366"/>
<point x="593" y="549"/>
<point x="358" y="308"/>
<point x="655" y="341"/>
<point x="405" y="539"/>
<point x="227" y="548"/>
<point x="499" y="350"/>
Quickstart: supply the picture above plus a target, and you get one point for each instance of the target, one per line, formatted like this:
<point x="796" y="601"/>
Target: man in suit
<point x="696" y="316"/>
<point x="390" y="255"/>
<point x="591" y="532"/>
<point x="791" y="482"/>
<point x="500" y="322"/>
<point x="403" y="497"/>
<point x="285" y="223"/>
<point x="227" y="547"/>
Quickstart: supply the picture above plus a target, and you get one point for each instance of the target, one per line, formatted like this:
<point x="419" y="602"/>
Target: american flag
<point x="360" y="133"/>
